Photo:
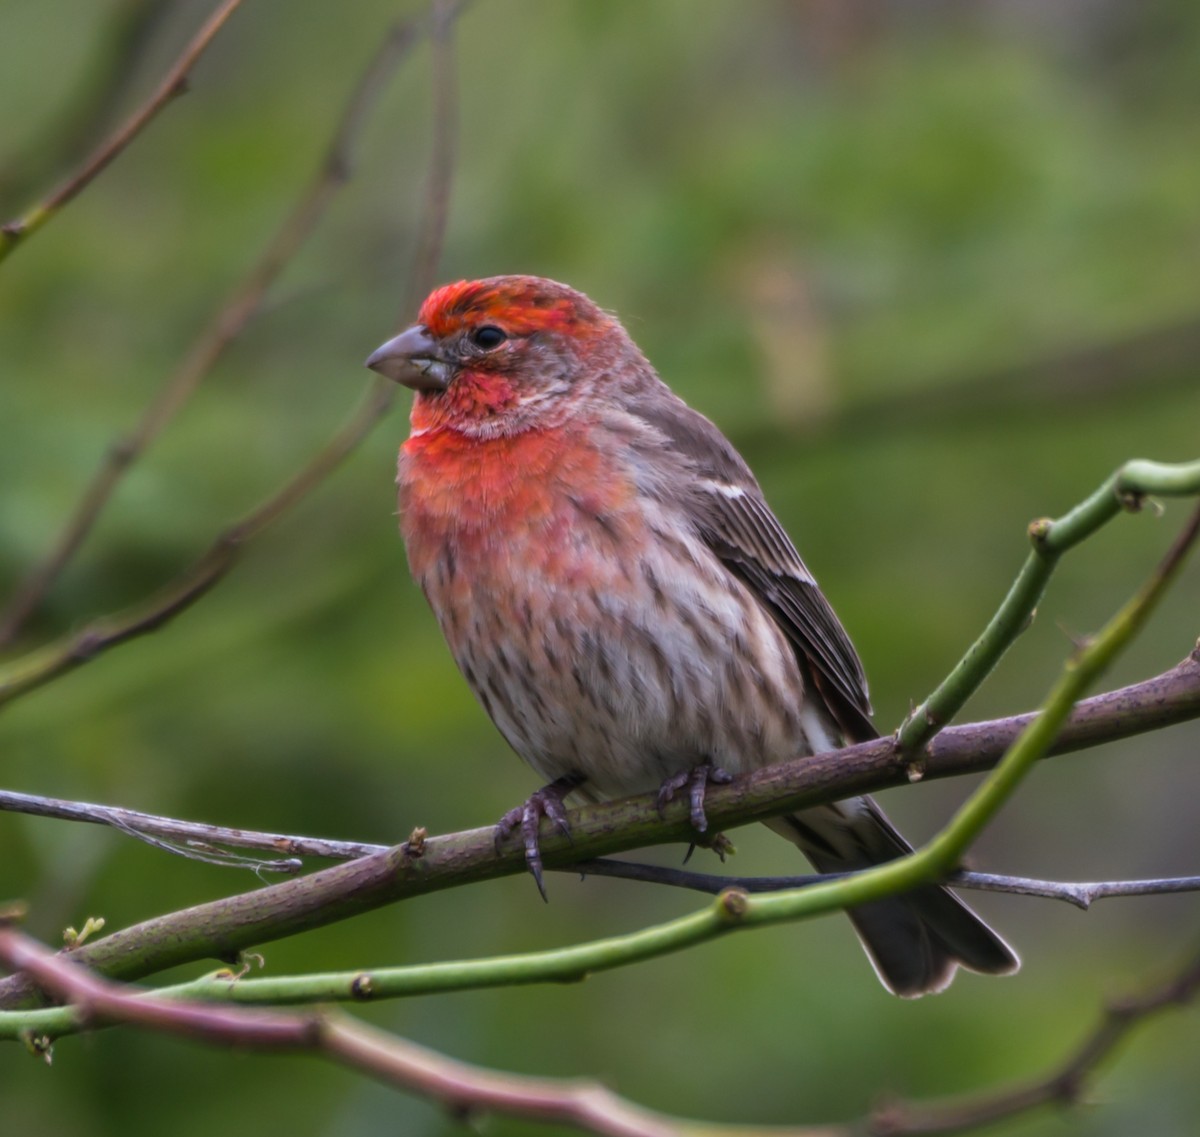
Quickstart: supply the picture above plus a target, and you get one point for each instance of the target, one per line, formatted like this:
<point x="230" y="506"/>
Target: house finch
<point x="620" y="597"/>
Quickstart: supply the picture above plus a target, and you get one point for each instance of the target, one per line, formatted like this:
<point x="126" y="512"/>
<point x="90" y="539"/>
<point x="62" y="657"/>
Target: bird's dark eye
<point x="489" y="337"/>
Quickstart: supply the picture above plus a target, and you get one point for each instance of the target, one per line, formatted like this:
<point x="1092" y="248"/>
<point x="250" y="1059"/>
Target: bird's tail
<point x="917" y="940"/>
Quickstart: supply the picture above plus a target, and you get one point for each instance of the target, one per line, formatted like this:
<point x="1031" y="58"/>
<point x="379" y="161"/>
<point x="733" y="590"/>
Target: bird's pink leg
<point x="697" y="779"/>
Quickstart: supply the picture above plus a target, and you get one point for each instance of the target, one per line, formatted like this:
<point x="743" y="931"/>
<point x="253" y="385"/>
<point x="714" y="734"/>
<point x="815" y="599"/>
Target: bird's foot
<point x="697" y="780"/>
<point x="548" y="803"/>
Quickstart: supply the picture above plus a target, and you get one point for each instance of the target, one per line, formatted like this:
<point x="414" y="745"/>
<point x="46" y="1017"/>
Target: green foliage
<point x="798" y="220"/>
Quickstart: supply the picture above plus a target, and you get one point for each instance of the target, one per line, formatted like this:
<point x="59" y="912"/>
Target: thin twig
<point x="1064" y="1085"/>
<point x="1080" y="894"/>
<point x="182" y="836"/>
<point x="432" y="234"/>
<point x="116" y="56"/>
<point x="173" y="84"/>
<point x="1126" y="489"/>
<point x="239" y="308"/>
<point x="39" y="667"/>
<point x="1166" y="699"/>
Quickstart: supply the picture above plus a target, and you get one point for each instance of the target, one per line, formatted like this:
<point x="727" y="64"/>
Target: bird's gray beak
<point x="413" y="358"/>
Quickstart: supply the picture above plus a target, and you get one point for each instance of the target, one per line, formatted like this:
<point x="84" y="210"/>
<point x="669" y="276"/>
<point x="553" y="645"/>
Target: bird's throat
<point x="473" y="400"/>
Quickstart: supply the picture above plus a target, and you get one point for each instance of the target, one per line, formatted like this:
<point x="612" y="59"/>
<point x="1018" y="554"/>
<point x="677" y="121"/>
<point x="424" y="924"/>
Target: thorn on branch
<point x="1039" y="532"/>
<point x="40" y="1046"/>
<point x="414" y="848"/>
<point x="732" y="906"/>
<point x="1131" y="500"/>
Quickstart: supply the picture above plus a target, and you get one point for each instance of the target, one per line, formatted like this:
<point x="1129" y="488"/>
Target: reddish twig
<point x="585" y="1105"/>
<point x="462" y="1088"/>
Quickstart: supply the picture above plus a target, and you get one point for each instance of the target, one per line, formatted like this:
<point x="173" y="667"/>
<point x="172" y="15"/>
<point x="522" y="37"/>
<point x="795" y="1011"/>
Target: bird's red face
<point x="498" y="350"/>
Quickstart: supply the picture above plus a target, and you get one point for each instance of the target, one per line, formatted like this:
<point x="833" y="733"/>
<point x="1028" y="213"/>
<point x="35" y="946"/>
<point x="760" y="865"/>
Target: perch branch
<point x="1166" y="699"/>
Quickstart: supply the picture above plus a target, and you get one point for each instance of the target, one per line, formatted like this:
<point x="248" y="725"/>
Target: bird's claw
<point x="548" y="803"/>
<point x="718" y="843"/>
<point x="697" y="780"/>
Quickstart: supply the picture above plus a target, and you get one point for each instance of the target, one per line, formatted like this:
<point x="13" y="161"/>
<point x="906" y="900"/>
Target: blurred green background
<point x="870" y="240"/>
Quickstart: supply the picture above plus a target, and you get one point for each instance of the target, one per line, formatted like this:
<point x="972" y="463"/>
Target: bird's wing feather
<point x="728" y="509"/>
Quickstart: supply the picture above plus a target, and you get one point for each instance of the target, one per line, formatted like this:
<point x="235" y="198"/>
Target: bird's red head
<point x="521" y="305"/>
<point x="504" y="353"/>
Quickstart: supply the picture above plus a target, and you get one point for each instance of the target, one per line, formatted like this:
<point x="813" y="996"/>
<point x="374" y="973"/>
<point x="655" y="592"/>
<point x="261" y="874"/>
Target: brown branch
<point x="41" y="666"/>
<point x="1064" y="1085"/>
<point x="173" y="84"/>
<point x="210" y="844"/>
<point x="240" y="307"/>
<point x="432" y="234"/>
<point x="225" y="927"/>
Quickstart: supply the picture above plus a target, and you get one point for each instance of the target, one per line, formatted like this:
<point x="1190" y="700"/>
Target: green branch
<point x="731" y="910"/>
<point x="1126" y="489"/>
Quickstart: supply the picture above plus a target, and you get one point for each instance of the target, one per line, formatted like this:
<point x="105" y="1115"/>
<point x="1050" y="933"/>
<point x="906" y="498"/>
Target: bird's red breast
<point x="512" y="495"/>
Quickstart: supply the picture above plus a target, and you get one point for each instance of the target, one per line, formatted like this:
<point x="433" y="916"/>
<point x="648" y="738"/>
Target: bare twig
<point x="432" y="234"/>
<point x="1064" y="1085"/>
<point x="43" y="665"/>
<point x="204" y="842"/>
<point x="184" y="837"/>
<point x="101" y="89"/>
<point x="228" y="323"/>
<point x="1081" y="894"/>
<point x="173" y="84"/>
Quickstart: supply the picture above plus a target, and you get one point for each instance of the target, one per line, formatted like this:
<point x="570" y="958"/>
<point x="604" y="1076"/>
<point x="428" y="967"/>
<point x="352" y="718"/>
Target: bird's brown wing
<point x="730" y="512"/>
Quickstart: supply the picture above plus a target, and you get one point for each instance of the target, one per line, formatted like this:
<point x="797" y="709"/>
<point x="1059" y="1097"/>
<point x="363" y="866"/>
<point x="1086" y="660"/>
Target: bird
<point x="622" y="601"/>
